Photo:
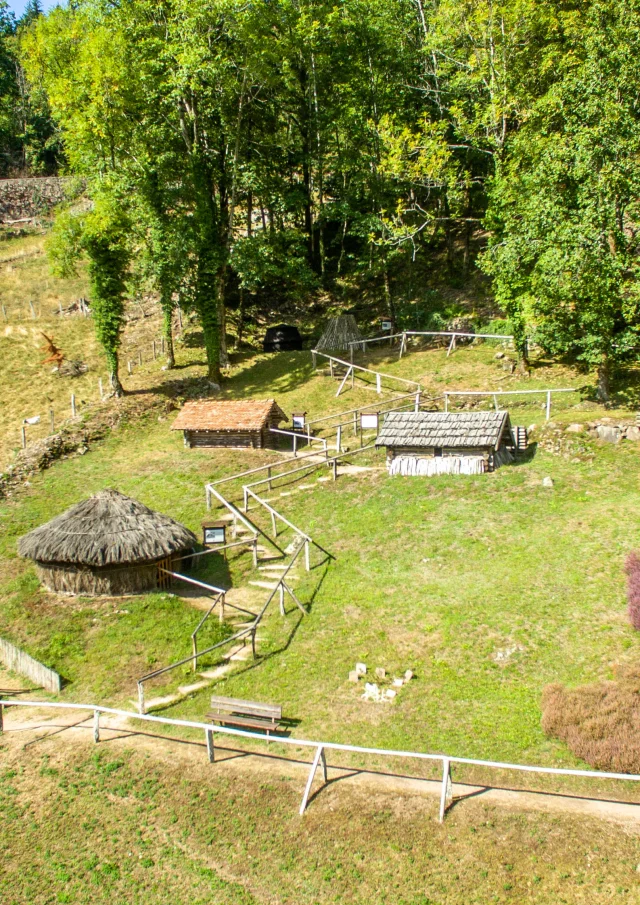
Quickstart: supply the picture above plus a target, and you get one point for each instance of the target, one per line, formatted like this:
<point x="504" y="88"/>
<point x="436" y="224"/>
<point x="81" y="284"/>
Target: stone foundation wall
<point x="30" y="198"/>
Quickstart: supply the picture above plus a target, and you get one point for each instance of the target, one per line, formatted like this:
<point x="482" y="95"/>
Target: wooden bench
<point x="245" y="714"/>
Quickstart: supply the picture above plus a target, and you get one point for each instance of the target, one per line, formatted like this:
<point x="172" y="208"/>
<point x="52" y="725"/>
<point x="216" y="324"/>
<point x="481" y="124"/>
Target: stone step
<point x="269" y="585"/>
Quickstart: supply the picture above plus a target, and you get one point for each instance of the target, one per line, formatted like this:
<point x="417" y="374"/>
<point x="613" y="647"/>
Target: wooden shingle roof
<point x="227" y="415"/>
<point x="444" y="429"/>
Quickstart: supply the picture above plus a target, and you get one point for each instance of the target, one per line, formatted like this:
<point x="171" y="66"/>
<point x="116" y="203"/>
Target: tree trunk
<point x="222" y="316"/>
<point x="604" y="381"/>
<point x="241" y="311"/>
<point x="167" y="318"/>
<point x="114" y="377"/>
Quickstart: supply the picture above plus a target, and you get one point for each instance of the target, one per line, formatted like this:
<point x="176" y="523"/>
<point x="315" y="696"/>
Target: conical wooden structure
<point x="339" y="333"/>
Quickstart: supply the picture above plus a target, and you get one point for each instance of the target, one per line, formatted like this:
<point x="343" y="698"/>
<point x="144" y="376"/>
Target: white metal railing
<point x="496" y="393"/>
<point x="446" y="791"/>
<point x="298" y="435"/>
<point x="403" y="338"/>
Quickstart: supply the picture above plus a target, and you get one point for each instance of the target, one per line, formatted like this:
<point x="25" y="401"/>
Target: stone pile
<point x="372" y="690"/>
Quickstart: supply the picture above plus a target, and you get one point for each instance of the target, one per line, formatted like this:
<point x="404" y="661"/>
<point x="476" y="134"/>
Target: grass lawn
<point x="120" y="824"/>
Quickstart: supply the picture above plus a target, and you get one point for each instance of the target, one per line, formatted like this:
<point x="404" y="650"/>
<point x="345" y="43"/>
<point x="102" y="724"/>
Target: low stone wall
<point x="22" y="199"/>
<point x="17" y="661"/>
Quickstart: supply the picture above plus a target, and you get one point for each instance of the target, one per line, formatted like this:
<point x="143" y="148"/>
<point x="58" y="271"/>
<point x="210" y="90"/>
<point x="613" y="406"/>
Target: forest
<point x="260" y="156"/>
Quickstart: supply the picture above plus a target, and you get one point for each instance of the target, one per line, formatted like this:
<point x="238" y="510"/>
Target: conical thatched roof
<point x="107" y="529"/>
<point x="339" y="332"/>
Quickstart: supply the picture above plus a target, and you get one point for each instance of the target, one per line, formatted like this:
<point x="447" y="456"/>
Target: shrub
<point x="600" y="723"/>
<point x="633" y="589"/>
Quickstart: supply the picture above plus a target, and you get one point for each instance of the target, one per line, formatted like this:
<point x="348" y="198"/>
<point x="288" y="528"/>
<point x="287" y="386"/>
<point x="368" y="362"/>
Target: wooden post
<point x="269" y="485"/>
<point x="307" y="555"/>
<point x="246" y="499"/>
<point x="207" y="493"/>
<point x="323" y="761"/>
<point x="194" y="650"/>
<point x="33" y="310"/>
<point x="495" y="402"/>
<point x="253" y="643"/>
<point x="274" y="524"/>
<point x="211" y="751"/>
<point x="281" y="591"/>
<point x="221" y="613"/>
<point x="73" y="405"/>
<point x="52" y="421"/>
<point x="312" y="773"/>
<point x="255" y="552"/>
<point x="314" y="361"/>
<point x="548" y="404"/>
<point x="452" y="345"/>
<point x="335" y="469"/>
<point x="351" y="352"/>
<point x="23" y="432"/>
<point x="331" y="366"/>
<point x="100" y="388"/>
<point x="129" y="367"/>
<point x="446" y="791"/>
<point x="378" y="384"/>
<point x="446" y="402"/>
<point x="339" y="439"/>
<point x="60" y="306"/>
<point x="140" y="356"/>
<point x="140" y="698"/>
<point x="355" y="424"/>
<point x="96" y="726"/>
<point x="1" y="718"/>
<point x="295" y="445"/>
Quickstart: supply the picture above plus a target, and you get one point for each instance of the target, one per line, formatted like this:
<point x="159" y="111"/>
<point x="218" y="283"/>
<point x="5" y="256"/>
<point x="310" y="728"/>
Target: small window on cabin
<point x="438" y="452"/>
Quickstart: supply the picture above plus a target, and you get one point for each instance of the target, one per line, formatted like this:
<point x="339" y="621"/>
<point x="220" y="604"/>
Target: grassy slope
<point x="86" y="826"/>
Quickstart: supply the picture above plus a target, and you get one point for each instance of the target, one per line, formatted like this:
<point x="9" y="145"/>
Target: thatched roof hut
<point x="339" y="332"/>
<point x="108" y="544"/>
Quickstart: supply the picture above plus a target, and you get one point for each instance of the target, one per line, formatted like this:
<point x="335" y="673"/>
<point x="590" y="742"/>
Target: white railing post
<point x="73" y="405"/>
<point x="96" y="726"/>
<point x="255" y="552"/>
<point x="246" y="499"/>
<point x="211" y="751"/>
<point x="312" y="773"/>
<point x="140" y="698"/>
<point x="335" y="469"/>
<point x="417" y="406"/>
<point x="281" y="590"/>
<point x="307" y="556"/>
<point x="208" y="497"/>
<point x="295" y="445"/>
<point x="314" y="361"/>
<point x="495" y="402"/>
<point x="274" y="524"/>
<point x="446" y="402"/>
<point x="194" y="647"/>
<point x="446" y="790"/>
<point x="339" y="439"/>
<point x="548" y="404"/>
<point x="378" y="384"/>
<point x="1" y="718"/>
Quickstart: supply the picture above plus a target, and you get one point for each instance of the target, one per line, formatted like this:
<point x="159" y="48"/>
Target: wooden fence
<point x="17" y="661"/>
<point x="210" y="730"/>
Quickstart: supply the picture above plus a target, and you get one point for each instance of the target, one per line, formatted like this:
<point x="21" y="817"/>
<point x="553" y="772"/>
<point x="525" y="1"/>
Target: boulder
<point x="354" y="676"/>
<point x="633" y="433"/>
<point x="547" y="482"/>
<point x="574" y="428"/>
<point x="381" y="672"/>
<point x="361" y="669"/>
<point x="609" y="434"/>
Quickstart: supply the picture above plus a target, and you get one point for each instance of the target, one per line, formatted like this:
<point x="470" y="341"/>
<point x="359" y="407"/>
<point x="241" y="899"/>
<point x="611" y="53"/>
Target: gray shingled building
<point x="431" y="443"/>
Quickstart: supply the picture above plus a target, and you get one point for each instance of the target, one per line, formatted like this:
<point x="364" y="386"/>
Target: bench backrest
<point x="248" y="708"/>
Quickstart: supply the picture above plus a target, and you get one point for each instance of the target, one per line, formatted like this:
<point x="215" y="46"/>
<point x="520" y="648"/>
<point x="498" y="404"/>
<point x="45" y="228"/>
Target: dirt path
<point x="76" y="729"/>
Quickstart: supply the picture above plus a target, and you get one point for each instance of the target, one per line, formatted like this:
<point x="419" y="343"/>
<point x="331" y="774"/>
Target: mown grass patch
<point x="123" y="824"/>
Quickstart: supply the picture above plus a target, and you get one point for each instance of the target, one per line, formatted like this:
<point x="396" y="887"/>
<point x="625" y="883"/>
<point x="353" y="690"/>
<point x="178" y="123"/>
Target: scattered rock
<point x="408" y="676"/>
<point x="547" y="482"/>
<point x="633" y="433"/>
<point x="609" y="434"/>
<point x="499" y="355"/>
<point x="361" y="669"/>
<point x="354" y="676"/>
<point x="381" y="672"/>
<point x="398" y="683"/>
<point x="574" y="428"/>
<point x="390" y="693"/>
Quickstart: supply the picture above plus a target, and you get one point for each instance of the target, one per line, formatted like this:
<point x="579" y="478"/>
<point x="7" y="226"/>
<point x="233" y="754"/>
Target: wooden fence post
<point x="140" y="698"/>
<point x="548" y="404"/>
<point x="307" y="556"/>
<point x="312" y="773"/>
<point x="211" y="751"/>
<point x="52" y="420"/>
<point x="194" y="651"/>
<point x="1" y="718"/>
<point x="378" y="384"/>
<point x="335" y="469"/>
<point x="314" y="361"/>
<point x="73" y="405"/>
<point x="355" y="424"/>
<point x="139" y="356"/>
<point x="495" y="402"/>
<point x="339" y="439"/>
<point x="446" y="791"/>
<point x="295" y="445"/>
<point x="281" y="594"/>
<point x="446" y="402"/>
<point x="269" y="485"/>
<point x="23" y="432"/>
<point x="274" y="524"/>
<point x="255" y="552"/>
<point x="129" y="367"/>
<point x="154" y="349"/>
<point x="100" y="388"/>
<point x="96" y="726"/>
<point x="221" y="613"/>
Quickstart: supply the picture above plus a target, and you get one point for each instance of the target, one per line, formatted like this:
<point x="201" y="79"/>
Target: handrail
<point x="238" y="514"/>
<point x="361" y="408"/>
<point x="211" y="729"/>
<point x="245" y="474"/>
<point x="457" y="333"/>
<point x="348" y="364"/>
<point x="285" y="474"/>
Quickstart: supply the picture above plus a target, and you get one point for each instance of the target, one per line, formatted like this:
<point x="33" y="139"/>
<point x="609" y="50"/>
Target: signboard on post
<point x="369" y="421"/>
<point x="386" y="325"/>
<point x="298" y="420"/>
<point x="214" y="533"/>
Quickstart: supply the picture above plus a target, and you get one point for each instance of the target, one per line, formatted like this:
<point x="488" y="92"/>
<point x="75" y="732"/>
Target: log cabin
<point x="230" y="423"/>
<point x="432" y="443"/>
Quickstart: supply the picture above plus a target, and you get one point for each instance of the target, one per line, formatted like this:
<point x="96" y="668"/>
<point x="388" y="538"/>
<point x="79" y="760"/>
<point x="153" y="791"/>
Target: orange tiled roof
<point x="226" y="415"/>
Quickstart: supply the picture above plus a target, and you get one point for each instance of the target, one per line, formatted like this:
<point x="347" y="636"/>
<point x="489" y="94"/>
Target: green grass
<point x="125" y="823"/>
